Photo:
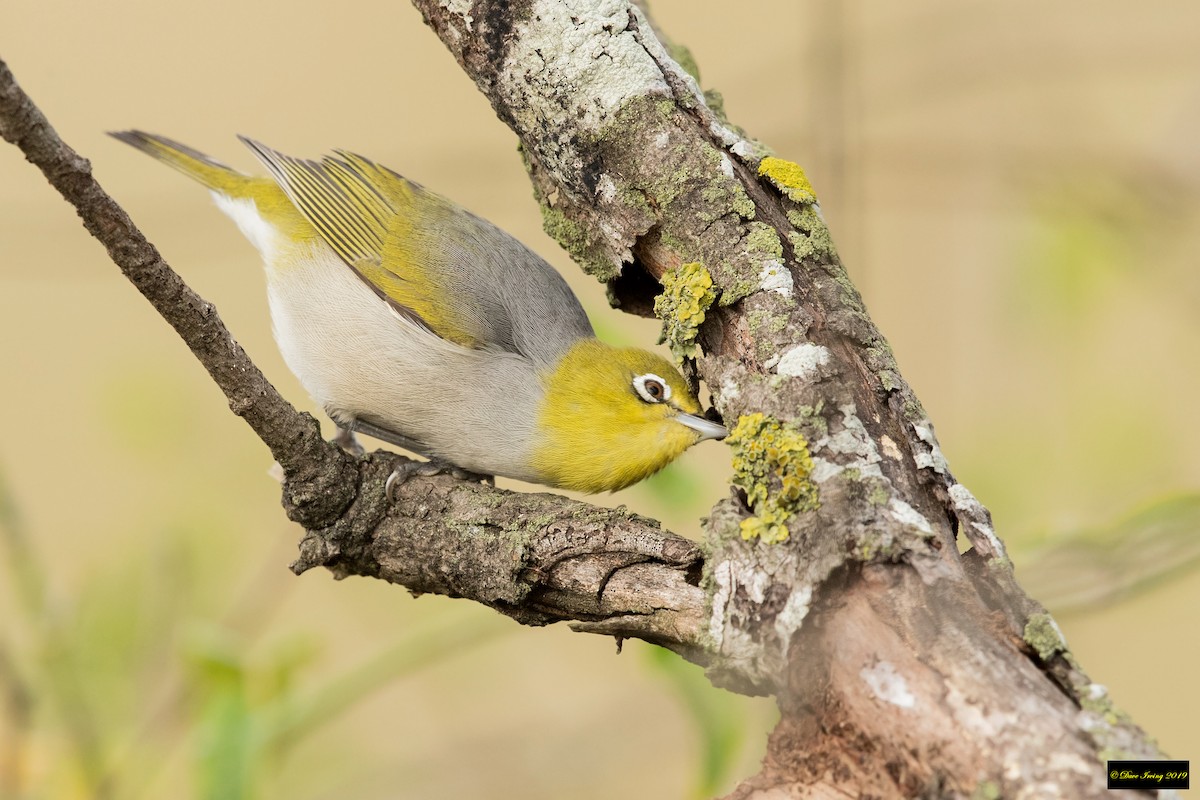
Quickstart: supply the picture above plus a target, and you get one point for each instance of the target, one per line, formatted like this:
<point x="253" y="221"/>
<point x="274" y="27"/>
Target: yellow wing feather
<point x="268" y="197"/>
<point x="363" y="212"/>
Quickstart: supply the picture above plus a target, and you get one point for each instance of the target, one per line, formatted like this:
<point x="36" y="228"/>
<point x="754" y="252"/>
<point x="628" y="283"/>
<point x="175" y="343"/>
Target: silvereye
<point x="408" y="318"/>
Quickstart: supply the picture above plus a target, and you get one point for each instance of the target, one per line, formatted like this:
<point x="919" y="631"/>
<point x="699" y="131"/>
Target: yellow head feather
<point x="596" y="432"/>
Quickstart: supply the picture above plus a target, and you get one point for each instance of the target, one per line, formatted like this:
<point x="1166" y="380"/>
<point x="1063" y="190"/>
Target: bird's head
<point x="612" y="416"/>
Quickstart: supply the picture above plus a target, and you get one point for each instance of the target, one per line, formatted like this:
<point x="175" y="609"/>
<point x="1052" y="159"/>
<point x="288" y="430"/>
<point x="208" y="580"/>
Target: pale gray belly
<point x="360" y="360"/>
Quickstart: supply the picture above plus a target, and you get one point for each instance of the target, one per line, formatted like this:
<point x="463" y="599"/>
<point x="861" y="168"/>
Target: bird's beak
<point x="702" y="426"/>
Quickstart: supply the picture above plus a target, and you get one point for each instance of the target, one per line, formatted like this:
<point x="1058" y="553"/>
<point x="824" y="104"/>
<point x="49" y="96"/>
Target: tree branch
<point x="537" y="558"/>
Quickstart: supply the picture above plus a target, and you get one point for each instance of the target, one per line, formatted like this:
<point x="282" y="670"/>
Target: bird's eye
<point x="652" y="388"/>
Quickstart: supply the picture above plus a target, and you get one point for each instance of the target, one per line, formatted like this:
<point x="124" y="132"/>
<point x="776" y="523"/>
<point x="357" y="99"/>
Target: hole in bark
<point x="634" y="290"/>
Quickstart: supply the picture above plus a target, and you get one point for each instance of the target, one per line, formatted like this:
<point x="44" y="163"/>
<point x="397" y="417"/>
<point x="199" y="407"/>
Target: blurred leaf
<point x="223" y="731"/>
<point x="148" y="413"/>
<point x="26" y="572"/>
<point x="1097" y="567"/>
<point x="675" y="487"/>
<point x="1084" y="233"/>
<point x="716" y="715"/>
<point x="441" y="639"/>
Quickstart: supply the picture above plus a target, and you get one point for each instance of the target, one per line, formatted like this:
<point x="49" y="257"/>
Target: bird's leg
<point x="389" y="436"/>
<point x="434" y="466"/>
<point x="345" y="440"/>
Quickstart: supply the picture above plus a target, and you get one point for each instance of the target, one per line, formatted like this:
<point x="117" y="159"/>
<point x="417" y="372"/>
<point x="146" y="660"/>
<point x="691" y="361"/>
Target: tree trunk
<point x="832" y="576"/>
<point x="902" y="667"/>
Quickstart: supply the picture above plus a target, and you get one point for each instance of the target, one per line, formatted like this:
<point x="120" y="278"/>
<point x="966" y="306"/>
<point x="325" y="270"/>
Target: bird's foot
<point x="345" y="439"/>
<point x="434" y="466"/>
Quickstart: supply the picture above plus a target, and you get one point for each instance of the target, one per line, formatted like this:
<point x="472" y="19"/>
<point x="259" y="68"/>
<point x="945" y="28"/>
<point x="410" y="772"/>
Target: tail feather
<point x="193" y="163"/>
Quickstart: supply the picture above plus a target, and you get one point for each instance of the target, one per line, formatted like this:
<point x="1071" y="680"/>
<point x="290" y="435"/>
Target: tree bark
<point x="902" y="668"/>
<point x="832" y="578"/>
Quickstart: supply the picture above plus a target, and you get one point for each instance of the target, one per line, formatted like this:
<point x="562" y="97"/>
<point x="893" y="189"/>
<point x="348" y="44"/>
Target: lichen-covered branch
<point x="537" y="558"/>
<point x="833" y="573"/>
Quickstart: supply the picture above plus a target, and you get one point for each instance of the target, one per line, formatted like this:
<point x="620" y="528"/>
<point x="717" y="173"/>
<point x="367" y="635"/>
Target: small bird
<point x="410" y="319"/>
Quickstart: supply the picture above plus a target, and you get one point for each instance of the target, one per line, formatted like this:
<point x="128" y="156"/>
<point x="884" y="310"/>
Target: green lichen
<point x="764" y="326"/>
<point x="575" y="240"/>
<point x="987" y="790"/>
<point x="811" y="417"/>
<point x="687" y="178"/>
<point x="725" y="194"/>
<point x="764" y="240"/>
<point x="686" y="297"/>
<point x="1043" y="636"/>
<point x="742" y="204"/>
<point x="874" y="546"/>
<point x="635" y="199"/>
<point x="742" y="287"/>
<point x="811" y="238"/>
<point x="772" y="466"/>
<point x="789" y="178"/>
<point x="716" y="101"/>
<point x="1100" y="704"/>
<point x="684" y="58"/>
<point x="879" y="495"/>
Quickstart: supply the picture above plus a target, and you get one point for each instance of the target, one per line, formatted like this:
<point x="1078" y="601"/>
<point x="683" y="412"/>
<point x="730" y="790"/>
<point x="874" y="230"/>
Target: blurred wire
<point x="1098" y="567"/>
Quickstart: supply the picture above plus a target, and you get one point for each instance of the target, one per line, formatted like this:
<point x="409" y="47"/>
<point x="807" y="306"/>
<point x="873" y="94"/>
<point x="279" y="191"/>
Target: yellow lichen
<point x="772" y="466"/>
<point x="789" y="178"/>
<point x="686" y="296"/>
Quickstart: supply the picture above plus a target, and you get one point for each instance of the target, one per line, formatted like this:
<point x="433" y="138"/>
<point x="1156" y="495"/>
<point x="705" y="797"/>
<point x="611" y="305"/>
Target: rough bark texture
<point x="833" y="578"/>
<point x="902" y="667"/>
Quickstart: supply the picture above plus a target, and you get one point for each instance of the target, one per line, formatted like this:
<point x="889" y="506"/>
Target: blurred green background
<point x="1014" y="186"/>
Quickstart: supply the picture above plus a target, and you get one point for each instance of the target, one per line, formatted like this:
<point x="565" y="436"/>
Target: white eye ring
<point x="646" y="384"/>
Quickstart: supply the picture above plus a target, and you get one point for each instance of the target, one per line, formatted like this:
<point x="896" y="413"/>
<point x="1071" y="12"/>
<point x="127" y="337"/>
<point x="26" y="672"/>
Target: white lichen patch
<point x="908" y="516"/>
<point x="852" y="440"/>
<point x="803" y="361"/>
<point x="462" y="8"/>
<point x="889" y="447"/>
<point x="934" y="459"/>
<point x="1069" y="762"/>
<point x="743" y="150"/>
<point x="724" y="134"/>
<point x="722" y="578"/>
<point x="606" y="190"/>
<point x="792" y="615"/>
<point x="728" y="390"/>
<point x="621" y="254"/>
<point x="985" y="720"/>
<point x="775" y="277"/>
<point x="583" y="52"/>
<point x="887" y="684"/>
<point x="824" y="469"/>
<point x="966" y="505"/>
<point x="726" y="166"/>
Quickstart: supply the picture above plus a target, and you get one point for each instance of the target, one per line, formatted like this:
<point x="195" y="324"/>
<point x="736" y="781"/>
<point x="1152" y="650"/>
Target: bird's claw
<point x="426" y="469"/>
